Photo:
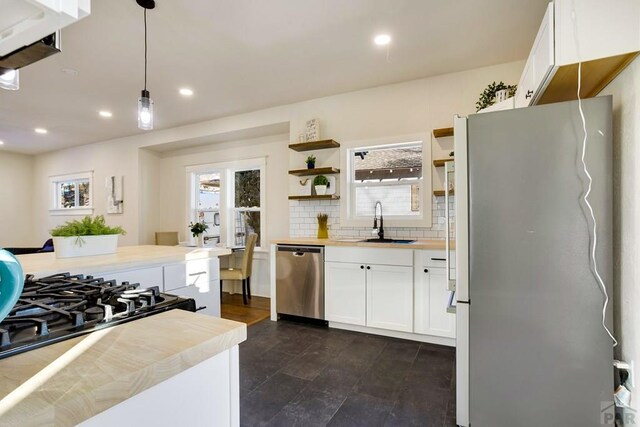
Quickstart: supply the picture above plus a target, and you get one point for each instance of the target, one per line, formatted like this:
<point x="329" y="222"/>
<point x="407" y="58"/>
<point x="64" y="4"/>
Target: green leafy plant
<point x="197" y="228"/>
<point x="311" y="160"/>
<point x="487" y="97"/>
<point x="87" y="226"/>
<point x="322" y="219"/>
<point x="320" y="180"/>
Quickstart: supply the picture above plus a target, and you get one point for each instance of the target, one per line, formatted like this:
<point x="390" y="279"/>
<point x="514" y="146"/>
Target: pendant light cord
<point x="145" y="49"/>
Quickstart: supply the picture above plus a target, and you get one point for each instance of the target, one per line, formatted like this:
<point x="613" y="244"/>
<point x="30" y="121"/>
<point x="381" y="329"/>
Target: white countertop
<point x="44" y="264"/>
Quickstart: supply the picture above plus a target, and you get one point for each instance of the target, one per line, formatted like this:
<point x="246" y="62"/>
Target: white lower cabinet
<point x="390" y="297"/>
<point x="430" y="303"/>
<point x="345" y="293"/>
<point x="408" y="296"/>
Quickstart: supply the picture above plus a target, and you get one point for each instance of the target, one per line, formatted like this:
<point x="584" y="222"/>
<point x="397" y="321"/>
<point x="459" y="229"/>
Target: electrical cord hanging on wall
<point x="593" y="232"/>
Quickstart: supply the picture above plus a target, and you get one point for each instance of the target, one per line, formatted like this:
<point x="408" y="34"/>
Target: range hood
<point x="26" y="55"/>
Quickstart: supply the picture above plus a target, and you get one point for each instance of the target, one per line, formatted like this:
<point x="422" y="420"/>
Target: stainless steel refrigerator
<point x="531" y="349"/>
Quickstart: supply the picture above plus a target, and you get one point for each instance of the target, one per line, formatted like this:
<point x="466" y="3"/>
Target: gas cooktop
<point x="63" y="306"/>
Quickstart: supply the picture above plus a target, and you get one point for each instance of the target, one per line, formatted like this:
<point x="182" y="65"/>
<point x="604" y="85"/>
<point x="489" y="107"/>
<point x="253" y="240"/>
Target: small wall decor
<point x="304" y="189"/>
<point x="115" y="202"/>
<point x="313" y="130"/>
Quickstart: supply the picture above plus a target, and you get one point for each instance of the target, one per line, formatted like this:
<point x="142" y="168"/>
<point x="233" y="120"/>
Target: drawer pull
<point x="438" y="259"/>
<point x="197" y="274"/>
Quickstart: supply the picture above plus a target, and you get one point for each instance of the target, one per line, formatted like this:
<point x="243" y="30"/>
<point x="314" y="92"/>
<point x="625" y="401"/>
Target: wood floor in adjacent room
<point x="233" y="308"/>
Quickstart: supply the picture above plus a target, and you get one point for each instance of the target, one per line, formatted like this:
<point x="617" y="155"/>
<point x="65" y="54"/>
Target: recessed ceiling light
<point x="105" y="113"/>
<point x="382" y="39"/>
<point x="185" y="91"/>
<point x="41" y="131"/>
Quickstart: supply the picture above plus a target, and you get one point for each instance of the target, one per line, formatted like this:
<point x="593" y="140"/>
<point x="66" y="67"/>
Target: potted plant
<point x="320" y="183"/>
<point x="493" y="91"/>
<point x="85" y="237"/>
<point x="197" y="230"/>
<point x="311" y="162"/>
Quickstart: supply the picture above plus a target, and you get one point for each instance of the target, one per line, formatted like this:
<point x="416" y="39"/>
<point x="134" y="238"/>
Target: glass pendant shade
<point x="10" y="80"/>
<point x="145" y="111"/>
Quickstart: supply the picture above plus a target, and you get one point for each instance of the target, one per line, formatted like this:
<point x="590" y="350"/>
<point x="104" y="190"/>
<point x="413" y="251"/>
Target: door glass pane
<point x="247" y="189"/>
<point x="208" y="204"/>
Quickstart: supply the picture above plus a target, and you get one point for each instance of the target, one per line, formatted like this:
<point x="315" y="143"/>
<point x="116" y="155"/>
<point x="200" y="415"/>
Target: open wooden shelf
<point x="440" y="162"/>
<point x="314" y="145"/>
<point x="442" y="132"/>
<point x="314" y="171"/>
<point x="316" y="197"/>
<point x="441" y="193"/>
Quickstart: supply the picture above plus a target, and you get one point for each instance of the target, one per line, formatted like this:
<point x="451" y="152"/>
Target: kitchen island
<point x="173" y="368"/>
<point x="188" y="272"/>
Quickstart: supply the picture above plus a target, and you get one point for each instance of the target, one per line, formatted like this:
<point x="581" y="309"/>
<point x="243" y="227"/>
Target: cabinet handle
<point x="426" y="270"/>
<point x="362" y="267"/>
<point x="529" y="94"/>
<point x="368" y="267"/>
<point x="438" y="259"/>
<point x="197" y="274"/>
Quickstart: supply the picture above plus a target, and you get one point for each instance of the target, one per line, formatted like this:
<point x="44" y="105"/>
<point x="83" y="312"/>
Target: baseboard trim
<point x="449" y="342"/>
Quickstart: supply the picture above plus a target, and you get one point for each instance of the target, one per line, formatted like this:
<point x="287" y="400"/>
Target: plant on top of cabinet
<point x="311" y="162"/>
<point x="488" y="96"/>
<point x="85" y="237"/>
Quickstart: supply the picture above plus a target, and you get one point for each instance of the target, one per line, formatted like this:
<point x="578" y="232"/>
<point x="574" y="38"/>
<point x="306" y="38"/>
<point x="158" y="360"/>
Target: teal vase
<point x="11" y="282"/>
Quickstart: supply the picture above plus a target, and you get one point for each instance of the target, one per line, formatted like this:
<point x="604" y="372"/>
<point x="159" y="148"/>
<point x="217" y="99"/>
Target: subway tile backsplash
<point x="303" y="221"/>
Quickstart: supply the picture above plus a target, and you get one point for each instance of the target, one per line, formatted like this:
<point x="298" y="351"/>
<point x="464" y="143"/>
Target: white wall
<point x="626" y="137"/>
<point x="16" y="201"/>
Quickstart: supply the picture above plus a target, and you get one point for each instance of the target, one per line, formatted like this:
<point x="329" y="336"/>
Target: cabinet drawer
<point x="190" y="273"/>
<point x="434" y="259"/>
<point x="382" y="256"/>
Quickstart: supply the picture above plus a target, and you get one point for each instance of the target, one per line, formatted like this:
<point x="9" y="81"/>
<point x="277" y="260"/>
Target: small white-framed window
<point x="230" y="198"/>
<point x="391" y="171"/>
<point x="71" y="194"/>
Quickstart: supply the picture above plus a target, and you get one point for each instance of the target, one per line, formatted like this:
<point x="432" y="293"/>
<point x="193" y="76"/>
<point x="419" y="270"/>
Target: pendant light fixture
<point x="145" y="103"/>
<point x="10" y="79"/>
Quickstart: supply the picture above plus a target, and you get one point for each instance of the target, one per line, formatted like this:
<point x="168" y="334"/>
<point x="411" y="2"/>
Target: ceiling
<point x="245" y="55"/>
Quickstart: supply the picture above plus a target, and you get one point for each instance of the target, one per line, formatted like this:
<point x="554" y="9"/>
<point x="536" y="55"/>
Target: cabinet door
<point x="431" y="300"/>
<point x="390" y="297"/>
<point x="345" y="293"/>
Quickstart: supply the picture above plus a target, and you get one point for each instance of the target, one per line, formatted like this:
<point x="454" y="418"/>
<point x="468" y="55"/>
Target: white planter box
<point x="77" y="246"/>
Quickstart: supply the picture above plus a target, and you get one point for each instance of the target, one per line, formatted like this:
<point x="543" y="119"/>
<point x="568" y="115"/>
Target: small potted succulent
<point x="311" y="162"/>
<point x="197" y="230"/>
<point x="85" y="237"/>
<point x="320" y="183"/>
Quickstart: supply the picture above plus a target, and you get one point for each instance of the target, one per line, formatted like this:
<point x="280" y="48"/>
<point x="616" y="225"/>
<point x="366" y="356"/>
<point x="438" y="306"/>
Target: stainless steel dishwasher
<point x="300" y="281"/>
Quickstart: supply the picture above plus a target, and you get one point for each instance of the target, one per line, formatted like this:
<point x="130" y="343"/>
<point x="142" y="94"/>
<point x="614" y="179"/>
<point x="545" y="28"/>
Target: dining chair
<point x="244" y="272"/>
<point x="167" y="238"/>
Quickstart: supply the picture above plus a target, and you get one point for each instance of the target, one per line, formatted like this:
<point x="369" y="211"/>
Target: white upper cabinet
<point x="604" y="36"/>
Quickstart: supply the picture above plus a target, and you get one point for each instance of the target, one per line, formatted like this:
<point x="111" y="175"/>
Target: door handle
<point x="298" y="254"/>
<point x="368" y="267"/>
<point x="362" y="267"/>
<point x="529" y="94"/>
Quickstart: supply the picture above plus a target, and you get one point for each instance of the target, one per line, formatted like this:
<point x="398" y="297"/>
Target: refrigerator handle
<point x="449" y="167"/>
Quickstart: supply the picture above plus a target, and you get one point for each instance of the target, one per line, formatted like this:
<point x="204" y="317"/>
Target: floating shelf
<point x="441" y="193"/>
<point x="316" y="197"/>
<point x="314" y="171"/>
<point x="314" y="145"/>
<point x="440" y="162"/>
<point x="441" y="133"/>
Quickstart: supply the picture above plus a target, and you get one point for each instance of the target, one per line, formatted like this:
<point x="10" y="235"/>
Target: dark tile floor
<point x="293" y="374"/>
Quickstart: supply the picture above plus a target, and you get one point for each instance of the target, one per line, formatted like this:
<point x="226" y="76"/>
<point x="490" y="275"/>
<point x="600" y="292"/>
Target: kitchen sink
<point x="401" y="241"/>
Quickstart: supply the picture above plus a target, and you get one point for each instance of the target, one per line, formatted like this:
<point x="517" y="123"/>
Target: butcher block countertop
<point x="66" y="383"/>
<point x="418" y="244"/>
<point x="125" y="258"/>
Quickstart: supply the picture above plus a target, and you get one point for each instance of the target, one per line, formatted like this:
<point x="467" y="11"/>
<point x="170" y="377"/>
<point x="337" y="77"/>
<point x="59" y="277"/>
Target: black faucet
<point x="380" y="229"/>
